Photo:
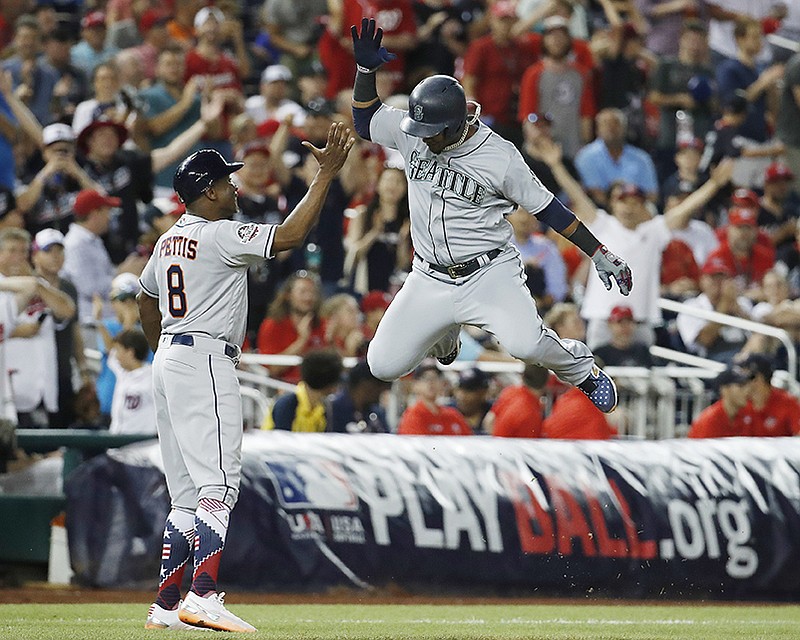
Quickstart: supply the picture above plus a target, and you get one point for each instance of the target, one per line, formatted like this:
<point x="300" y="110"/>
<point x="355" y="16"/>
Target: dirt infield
<point x="43" y="593"/>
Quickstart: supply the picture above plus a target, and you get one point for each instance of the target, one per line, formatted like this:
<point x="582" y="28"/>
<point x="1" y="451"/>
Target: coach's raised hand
<point x="332" y="157"/>
<point x="611" y="266"/>
<point x="367" y="49"/>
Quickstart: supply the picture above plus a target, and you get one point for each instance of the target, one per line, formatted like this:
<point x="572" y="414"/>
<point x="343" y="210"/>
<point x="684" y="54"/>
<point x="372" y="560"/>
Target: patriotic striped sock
<point x="211" y="526"/>
<point x="175" y="554"/>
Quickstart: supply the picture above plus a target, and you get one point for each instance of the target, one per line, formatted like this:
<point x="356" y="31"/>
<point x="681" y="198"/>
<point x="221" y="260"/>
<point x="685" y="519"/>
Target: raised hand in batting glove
<point x="367" y="49"/>
<point x="610" y="266"/>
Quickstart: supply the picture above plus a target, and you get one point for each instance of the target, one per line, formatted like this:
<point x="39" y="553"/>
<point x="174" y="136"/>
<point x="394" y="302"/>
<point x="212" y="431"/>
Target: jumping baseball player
<point x="463" y="179"/>
<point x="193" y="307"/>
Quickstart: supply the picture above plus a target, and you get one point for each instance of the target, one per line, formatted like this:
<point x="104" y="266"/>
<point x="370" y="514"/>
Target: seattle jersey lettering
<point x="429" y="170"/>
<point x="180" y="246"/>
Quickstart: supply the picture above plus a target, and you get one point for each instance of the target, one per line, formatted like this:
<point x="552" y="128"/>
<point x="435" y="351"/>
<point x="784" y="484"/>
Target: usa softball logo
<point x="247" y="232"/>
<point x="418" y="112"/>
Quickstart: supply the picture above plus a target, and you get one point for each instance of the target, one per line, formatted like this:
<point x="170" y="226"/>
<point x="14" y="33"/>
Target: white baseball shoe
<point x="160" y="618"/>
<point x="209" y="612"/>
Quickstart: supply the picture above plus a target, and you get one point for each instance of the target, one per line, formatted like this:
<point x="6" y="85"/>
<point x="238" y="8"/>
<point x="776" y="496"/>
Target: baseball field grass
<point x="421" y="622"/>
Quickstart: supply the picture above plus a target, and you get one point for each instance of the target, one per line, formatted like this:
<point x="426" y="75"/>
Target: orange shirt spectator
<point x="426" y="417"/>
<point x="769" y="411"/>
<point x="494" y="64"/>
<point x="574" y="417"/>
<point x="741" y="250"/>
<point x="517" y="412"/>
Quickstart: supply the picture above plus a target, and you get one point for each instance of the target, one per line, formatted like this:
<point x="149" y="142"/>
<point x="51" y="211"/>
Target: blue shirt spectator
<point x="7" y="176"/>
<point x="610" y="159"/>
<point x="733" y="76"/>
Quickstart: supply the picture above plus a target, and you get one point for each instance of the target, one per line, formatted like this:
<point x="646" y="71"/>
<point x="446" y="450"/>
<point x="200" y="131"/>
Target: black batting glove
<point x="611" y="266"/>
<point x="367" y="49"/>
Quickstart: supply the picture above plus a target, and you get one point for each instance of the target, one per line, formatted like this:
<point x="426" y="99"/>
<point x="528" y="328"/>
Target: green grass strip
<point x="421" y="622"/>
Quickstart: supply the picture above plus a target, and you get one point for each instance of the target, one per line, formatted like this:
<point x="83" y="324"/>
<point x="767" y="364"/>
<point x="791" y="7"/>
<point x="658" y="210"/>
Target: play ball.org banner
<point x="720" y="517"/>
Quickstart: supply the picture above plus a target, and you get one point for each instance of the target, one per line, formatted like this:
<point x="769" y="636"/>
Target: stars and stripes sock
<point x="211" y="526"/>
<point x="176" y="551"/>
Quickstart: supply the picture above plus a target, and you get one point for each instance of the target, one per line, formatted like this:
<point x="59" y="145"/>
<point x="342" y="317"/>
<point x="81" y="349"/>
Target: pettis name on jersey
<point x="180" y="246"/>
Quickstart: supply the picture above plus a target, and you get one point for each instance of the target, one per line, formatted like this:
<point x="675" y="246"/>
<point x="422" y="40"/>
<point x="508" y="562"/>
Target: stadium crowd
<point x="671" y="128"/>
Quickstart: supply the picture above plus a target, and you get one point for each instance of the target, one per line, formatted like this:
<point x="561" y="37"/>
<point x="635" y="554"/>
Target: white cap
<point x="57" y="133"/>
<point x="125" y="285"/>
<point x="555" y="22"/>
<point x="276" y="72"/>
<point x="205" y="13"/>
<point x="46" y="238"/>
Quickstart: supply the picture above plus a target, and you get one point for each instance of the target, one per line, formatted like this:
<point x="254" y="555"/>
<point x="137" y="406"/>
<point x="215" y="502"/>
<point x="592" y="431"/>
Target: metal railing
<point x="739" y="323"/>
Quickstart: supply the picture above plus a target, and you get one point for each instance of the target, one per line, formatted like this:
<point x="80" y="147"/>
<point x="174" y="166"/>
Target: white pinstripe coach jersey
<point x="459" y="198"/>
<point x="198" y="272"/>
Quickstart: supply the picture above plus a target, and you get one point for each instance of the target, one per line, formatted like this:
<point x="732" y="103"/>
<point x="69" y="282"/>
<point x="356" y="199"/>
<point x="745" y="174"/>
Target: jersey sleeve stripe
<point x="147" y="291"/>
<point x="268" y="253"/>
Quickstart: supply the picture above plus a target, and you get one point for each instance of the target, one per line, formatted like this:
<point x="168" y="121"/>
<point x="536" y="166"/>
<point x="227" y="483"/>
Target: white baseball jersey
<point x="8" y="315"/>
<point x="133" y="409"/>
<point x="198" y="272"/>
<point x="32" y="362"/>
<point x="459" y="199"/>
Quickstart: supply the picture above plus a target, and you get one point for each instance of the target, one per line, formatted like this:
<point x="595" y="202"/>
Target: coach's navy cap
<point x="758" y="363"/>
<point x="733" y="374"/>
<point x="199" y="171"/>
<point x="473" y="379"/>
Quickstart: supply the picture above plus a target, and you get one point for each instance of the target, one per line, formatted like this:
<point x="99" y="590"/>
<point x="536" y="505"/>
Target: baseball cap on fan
<point x="276" y="73"/>
<point x="90" y="200"/>
<point x="57" y="132"/>
<point x="778" y="171"/>
<point x="124" y="287"/>
<point x="620" y="312"/>
<point x="716" y="266"/>
<point x="504" y="9"/>
<point x="202" y="16"/>
<point x="743" y="217"/>
<point x="46" y="239"/>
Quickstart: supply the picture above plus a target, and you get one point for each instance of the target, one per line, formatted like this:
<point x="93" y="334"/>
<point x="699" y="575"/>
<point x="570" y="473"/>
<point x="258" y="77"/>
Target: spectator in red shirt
<point x="518" y="411"/>
<point x="769" y="411"/>
<point x="292" y="326"/>
<point x="493" y="66"/>
<point x="426" y="417"/>
<point x="748" y="259"/>
<point x="722" y="419"/>
<point x="219" y="73"/>
<point x="560" y="86"/>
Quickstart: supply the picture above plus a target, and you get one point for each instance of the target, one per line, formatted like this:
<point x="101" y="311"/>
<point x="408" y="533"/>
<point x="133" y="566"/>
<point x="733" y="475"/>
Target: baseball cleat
<point x="160" y="618"/>
<point x="209" y="612"/>
<point x="450" y="357"/>
<point x="600" y="389"/>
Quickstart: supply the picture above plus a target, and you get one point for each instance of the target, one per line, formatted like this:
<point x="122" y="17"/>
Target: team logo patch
<point x="247" y="232"/>
<point x="418" y="112"/>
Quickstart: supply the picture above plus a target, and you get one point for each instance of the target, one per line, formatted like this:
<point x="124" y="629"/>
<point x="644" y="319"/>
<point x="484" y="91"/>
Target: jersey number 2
<point x="176" y="294"/>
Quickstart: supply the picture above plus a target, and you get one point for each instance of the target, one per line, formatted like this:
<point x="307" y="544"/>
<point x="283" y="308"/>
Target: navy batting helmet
<point x="199" y="171"/>
<point x="435" y="104"/>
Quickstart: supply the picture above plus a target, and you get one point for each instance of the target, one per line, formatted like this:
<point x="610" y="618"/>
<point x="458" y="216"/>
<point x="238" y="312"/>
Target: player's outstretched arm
<point x="292" y="231"/>
<point x="608" y="265"/>
<point x="369" y="55"/>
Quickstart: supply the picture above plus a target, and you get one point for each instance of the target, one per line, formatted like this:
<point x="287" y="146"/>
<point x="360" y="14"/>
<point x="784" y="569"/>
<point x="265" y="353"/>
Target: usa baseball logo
<point x="247" y="232"/>
<point x="418" y="112"/>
